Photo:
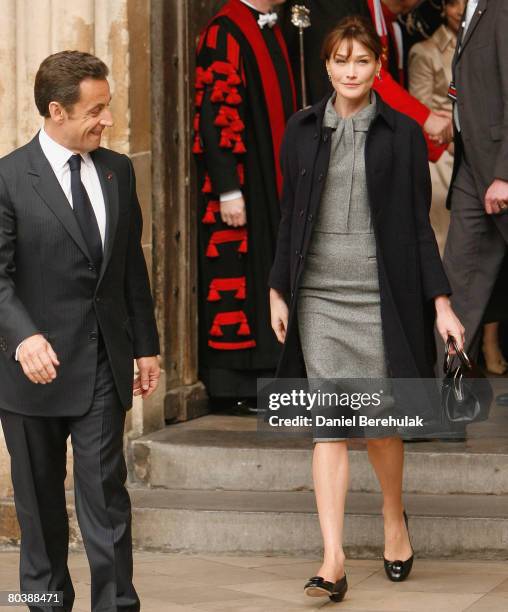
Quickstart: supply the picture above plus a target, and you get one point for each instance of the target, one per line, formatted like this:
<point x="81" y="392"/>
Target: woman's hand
<point x="232" y="212"/>
<point x="447" y="322"/>
<point x="279" y="314"/>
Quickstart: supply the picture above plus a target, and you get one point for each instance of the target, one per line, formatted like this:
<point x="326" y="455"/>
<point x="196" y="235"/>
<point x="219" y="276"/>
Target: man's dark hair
<point x="60" y="75"/>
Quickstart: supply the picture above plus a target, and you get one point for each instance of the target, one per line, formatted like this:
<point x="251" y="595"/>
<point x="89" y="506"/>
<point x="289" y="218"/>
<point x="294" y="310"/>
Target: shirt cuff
<point x="17" y="351"/>
<point x="230" y="195"/>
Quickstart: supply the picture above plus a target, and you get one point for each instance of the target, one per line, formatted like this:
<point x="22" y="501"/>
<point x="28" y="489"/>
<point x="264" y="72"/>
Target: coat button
<point x="315" y="135"/>
<point x="309" y="218"/>
<point x="325" y="137"/>
<point x="320" y="177"/>
<point x="296" y="252"/>
<point x="91" y="267"/>
<point x="303" y="172"/>
<point x="301" y="212"/>
<point x="92" y="335"/>
<point x="98" y="299"/>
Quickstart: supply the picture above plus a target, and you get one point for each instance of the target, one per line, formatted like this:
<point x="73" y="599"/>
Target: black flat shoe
<point x="319" y="587"/>
<point x="398" y="571"/>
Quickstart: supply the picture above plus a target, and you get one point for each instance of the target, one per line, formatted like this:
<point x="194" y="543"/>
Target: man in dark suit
<point x="478" y="236"/>
<point x="75" y="311"/>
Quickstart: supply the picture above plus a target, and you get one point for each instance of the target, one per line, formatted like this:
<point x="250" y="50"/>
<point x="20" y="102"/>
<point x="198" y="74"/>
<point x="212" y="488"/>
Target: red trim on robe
<point x="223" y="236"/>
<point x="211" y="40"/>
<point x="231" y="346"/>
<point x="233" y="51"/>
<point x="234" y="317"/>
<point x="226" y="284"/>
<point x="242" y="17"/>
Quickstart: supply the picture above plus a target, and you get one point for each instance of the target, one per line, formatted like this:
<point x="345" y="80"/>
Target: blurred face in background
<point x="453" y="11"/>
<point x="352" y="68"/>
<point x="401" y="7"/>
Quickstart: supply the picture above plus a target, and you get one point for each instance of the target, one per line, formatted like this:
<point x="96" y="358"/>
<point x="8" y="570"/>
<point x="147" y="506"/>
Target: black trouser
<point x="37" y="446"/>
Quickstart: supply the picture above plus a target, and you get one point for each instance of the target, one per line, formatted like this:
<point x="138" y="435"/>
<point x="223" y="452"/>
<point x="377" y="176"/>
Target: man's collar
<point x="57" y="154"/>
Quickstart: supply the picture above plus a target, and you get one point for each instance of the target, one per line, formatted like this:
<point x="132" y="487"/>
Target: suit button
<point x="98" y="299"/>
<point x="325" y="137"/>
<point x="91" y="267"/>
<point x="296" y="252"/>
<point x="301" y="212"/>
<point x="92" y="336"/>
<point x="309" y="218"/>
<point x="315" y="135"/>
<point x="303" y="172"/>
<point x="321" y="176"/>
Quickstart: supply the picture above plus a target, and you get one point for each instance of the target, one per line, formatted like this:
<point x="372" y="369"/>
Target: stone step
<point x="458" y="526"/>
<point x="257" y="522"/>
<point x="217" y="452"/>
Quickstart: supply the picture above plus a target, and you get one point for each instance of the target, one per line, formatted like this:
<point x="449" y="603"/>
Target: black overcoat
<point x="409" y="266"/>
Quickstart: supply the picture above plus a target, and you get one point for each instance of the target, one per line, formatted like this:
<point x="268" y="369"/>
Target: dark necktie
<point x="84" y="212"/>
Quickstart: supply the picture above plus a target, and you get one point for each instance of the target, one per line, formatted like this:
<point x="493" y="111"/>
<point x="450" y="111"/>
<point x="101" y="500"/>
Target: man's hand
<point x="496" y="198"/>
<point x="148" y="376"/>
<point x="38" y="360"/>
<point x="232" y="212"/>
<point x="439" y="127"/>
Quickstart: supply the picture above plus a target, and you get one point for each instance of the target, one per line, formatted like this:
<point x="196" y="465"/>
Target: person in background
<point x="390" y="84"/>
<point x="244" y="96"/>
<point x="478" y="196"/>
<point x="430" y="73"/>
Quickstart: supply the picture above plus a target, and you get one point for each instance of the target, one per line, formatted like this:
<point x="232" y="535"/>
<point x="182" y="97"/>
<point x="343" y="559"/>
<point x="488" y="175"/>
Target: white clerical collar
<point x="57" y="154"/>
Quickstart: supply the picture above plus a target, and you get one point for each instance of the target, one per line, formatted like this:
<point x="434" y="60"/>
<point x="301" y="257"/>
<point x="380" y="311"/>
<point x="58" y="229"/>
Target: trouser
<point x="37" y="446"/>
<point x="476" y="245"/>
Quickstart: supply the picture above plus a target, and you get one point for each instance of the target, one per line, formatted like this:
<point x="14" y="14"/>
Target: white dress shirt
<point x="58" y="157"/>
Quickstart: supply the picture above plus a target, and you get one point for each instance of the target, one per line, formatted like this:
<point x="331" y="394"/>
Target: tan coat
<point x="430" y="69"/>
<point x="430" y="73"/>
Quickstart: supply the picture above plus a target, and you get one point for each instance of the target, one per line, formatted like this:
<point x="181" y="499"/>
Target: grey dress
<point x="339" y="301"/>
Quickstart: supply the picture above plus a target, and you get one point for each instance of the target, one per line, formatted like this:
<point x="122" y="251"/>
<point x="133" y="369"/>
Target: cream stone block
<point x="112" y="46"/>
<point x="8" y="91"/>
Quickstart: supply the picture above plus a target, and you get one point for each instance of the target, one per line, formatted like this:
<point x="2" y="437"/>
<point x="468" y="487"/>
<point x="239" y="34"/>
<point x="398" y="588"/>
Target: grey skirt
<point x="339" y="312"/>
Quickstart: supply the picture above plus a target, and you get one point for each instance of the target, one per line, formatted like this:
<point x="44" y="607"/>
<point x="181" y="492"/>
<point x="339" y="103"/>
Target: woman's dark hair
<point x="60" y="75"/>
<point x="349" y="29"/>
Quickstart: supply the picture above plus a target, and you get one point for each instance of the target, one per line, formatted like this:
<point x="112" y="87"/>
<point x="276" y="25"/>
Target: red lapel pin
<point x="109" y="176"/>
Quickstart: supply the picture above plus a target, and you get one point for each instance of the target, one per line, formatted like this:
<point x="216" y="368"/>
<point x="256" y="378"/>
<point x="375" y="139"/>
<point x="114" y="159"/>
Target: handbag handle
<point x="448" y="360"/>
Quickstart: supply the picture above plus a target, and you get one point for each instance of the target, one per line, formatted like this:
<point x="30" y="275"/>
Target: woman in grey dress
<point x="337" y="297"/>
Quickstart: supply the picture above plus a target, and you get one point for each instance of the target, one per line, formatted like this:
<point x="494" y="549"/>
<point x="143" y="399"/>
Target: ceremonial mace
<point x="300" y="18"/>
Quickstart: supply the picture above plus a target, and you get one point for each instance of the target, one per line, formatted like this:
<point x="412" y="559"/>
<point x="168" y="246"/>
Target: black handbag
<point x="466" y="393"/>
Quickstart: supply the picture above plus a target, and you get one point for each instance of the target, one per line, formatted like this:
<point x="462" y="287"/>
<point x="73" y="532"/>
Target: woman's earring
<point x="329" y="77"/>
<point x="378" y="75"/>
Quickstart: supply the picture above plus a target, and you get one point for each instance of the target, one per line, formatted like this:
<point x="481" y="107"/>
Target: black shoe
<point x="397" y="571"/>
<point x="502" y="400"/>
<point x="319" y="587"/>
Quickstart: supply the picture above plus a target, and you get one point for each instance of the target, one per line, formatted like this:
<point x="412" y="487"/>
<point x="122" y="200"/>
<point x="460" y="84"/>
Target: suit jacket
<point x="430" y="69"/>
<point x="49" y="285"/>
<point x="480" y="70"/>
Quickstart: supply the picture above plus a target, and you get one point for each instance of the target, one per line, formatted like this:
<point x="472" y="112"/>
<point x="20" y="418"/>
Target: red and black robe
<point x="244" y="97"/>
